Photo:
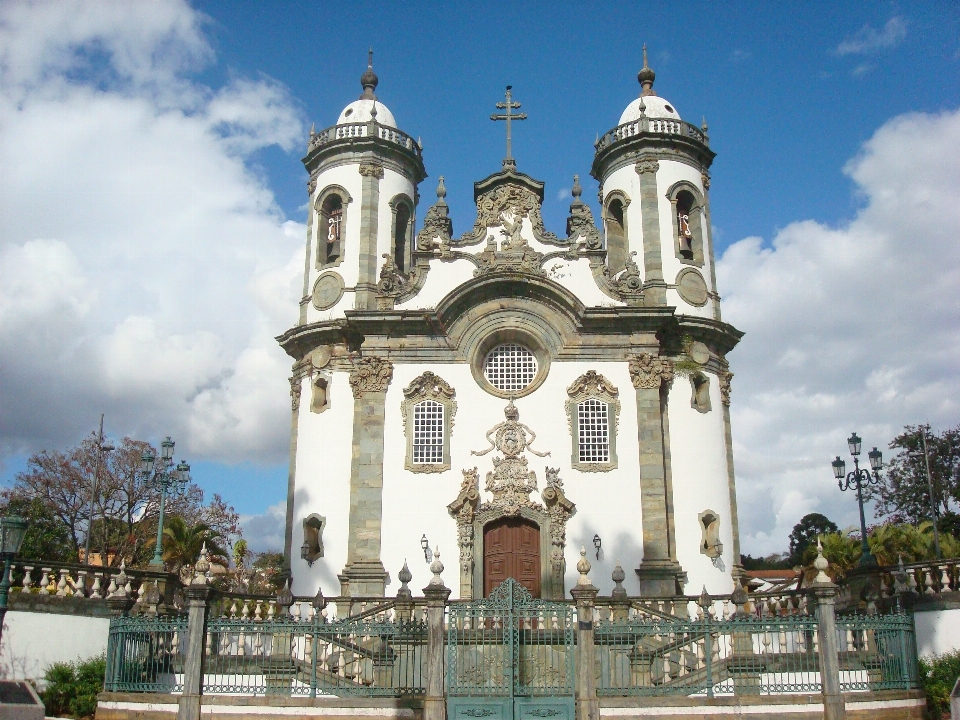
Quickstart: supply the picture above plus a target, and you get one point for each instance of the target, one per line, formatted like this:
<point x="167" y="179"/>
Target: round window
<point x="510" y="367"/>
<point x="348" y="113"/>
<point x="669" y="109"/>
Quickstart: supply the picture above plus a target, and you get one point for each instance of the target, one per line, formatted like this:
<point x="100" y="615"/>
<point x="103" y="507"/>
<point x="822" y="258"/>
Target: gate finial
<point x="583" y="567"/>
<point x="436" y="567"/>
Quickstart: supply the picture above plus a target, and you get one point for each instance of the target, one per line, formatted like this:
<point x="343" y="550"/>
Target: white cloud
<point x="870" y="40"/>
<point x="144" y="265"/>
<point x="847" y="328"/>
<point x="264" y="532"/>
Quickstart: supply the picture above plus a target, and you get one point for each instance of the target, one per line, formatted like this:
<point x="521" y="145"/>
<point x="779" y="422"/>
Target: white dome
<point x="359" y="111"/>
<point x="654" y="107"/>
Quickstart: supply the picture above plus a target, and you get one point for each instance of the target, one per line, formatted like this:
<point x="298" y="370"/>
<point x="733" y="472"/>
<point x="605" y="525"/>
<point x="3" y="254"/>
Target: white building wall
<point x="699" y="470"/>
<point x="938" y="631"/>
<point x="32" y="642"/>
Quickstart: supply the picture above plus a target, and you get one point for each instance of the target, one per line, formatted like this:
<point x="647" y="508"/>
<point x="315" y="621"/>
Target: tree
<point x="806" y="532"/>
<point x="126" y="507"/>
<point x="904" y="493"/>
<point x="182" y="543"/>
<point x="47" y="538"/>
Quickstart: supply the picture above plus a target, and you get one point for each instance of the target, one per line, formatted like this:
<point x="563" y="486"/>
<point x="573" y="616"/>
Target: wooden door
<point x="511" y="548"/>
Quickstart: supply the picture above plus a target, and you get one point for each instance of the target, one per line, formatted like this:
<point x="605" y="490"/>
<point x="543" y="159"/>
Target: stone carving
<point x="705" y="180"/>
<point x="592" y="385"/>
<point x="510" y="227"/>
<point x="516" y="200"/>
<point x="525" y="259"/>
<point x="580" y="224"/>
<point x="510" y="436"/>
<point x="394" y="286"/>
<point x="371" y="170"/>
<point x="370" y="374"/>
<point x="647" y="165"/>
<point x="463" y="510"/>
<point x="429" y="386"/>
<point x="437" y="223"/>
<point x="560" y="510"/>
<point x="295" y="389"/>
<point x="649" y="371"/>
<point x="311" y="186"/>
<point x="725" y="377"/>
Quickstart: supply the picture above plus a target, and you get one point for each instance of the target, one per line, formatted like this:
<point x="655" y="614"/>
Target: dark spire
<point x="646" y="76"/>
<point x="369" y="80"/>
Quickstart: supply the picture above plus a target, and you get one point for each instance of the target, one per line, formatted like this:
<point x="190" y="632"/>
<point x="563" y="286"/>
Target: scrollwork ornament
<point x="650" y="371"/>
<point x="370" y="374"/>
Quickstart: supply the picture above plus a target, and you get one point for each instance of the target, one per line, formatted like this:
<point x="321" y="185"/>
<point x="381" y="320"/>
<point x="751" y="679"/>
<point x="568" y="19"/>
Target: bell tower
<point x="653" y="170"/>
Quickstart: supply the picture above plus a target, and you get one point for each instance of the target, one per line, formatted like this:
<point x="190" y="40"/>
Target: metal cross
<point x="508" y="116"/>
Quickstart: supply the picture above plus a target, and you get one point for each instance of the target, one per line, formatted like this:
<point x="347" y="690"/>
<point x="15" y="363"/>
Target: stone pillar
<point x="659" y="570"/>
<point x="826" y="594"/>
<point x="725" y="377"/>
<point x="198" y="602"/>
<point x="372" y="173"/>
<point x="364" y="574"/>
<point x="584" y="594"/>
<point x="436" y="593"/>
<point x="654" y="287"/>
<point x="300" y="370"/>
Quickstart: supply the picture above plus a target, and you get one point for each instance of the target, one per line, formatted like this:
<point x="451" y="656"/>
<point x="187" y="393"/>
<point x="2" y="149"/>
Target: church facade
<point x="511" y="394"/>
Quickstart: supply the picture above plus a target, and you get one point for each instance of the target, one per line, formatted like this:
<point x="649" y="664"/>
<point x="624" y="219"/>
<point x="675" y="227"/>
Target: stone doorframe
<point x="551" y="518"/>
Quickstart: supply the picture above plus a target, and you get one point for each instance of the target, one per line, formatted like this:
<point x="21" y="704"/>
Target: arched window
<point x="331" y="229"/>
<point x="687" y="225"/>
<point x="592" y="411"/>
<point x="428" y="432"/>
<point x="401" y="236"/>
<point x="701" y="392"/>
<point x="429" y="406"/>
<point x="615" y="224"/>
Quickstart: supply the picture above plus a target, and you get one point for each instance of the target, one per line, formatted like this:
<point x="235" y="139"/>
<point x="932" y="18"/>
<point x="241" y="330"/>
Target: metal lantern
<point x="853" y="442"/>
<point x="166" y="448"/>
<point x="183" y="472"/>
<point x="12" y="531"/>
<point x="839" y="468"/>
<point x="876" y="459"/>
<point x="146" y="462"/>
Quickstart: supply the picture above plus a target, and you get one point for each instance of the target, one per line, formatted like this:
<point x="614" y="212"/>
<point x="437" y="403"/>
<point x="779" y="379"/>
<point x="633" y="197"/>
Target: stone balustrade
<point x="650" y="126"/>
<point x="347" y="131"/>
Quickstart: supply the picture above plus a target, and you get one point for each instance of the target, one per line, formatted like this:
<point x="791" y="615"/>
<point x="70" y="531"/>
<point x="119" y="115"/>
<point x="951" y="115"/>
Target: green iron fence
<point x="510" y="645"/>
<point x="877" y="652"/>
<point x="146" y="654"/>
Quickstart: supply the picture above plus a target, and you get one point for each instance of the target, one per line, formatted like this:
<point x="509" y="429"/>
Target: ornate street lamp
<point x="167" y="478"/>
<point x="103" y="446"/>
<point x="12" y="531"/>
<point x="859" y="478"/>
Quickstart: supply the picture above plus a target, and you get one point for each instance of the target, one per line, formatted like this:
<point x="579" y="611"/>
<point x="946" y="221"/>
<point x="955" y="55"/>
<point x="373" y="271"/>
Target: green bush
<point x="938" y="674"/>
<point x="72" y="688"/>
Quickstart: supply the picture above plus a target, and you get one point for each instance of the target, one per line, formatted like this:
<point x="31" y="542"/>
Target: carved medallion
<point x="649" y="371"/>
<point x="699" y="352"/>
<point x="327" y="291"/>
<point x="692" y="287"/>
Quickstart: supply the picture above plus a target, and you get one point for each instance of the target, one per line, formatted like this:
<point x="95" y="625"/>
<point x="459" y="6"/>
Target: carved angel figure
<point x="511" y="230"/>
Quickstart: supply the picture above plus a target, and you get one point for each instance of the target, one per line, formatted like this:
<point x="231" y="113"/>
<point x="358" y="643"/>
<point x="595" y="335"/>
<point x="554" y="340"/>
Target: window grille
<point x="593" y="431"/>
<point x="428" y="432"/>
<point x="510" y="367"/>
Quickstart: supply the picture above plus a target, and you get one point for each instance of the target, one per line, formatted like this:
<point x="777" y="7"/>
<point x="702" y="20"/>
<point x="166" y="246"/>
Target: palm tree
<point x="182" y="543"/>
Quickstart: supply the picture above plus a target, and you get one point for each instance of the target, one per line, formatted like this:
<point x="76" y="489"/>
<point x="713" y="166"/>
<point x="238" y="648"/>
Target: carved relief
<point x="649" y="371"/>
<point x="705" y="180"/>
<point x="647" y="165"/>
<point x="725" y="377"/>
<point x="371" y="170"/>
<point x="510" y="484"/>
<point x="428" y="387"/>
<point x="311" y="186"/>
<point x="370" y="374"/>
<point x="580" y="224"/>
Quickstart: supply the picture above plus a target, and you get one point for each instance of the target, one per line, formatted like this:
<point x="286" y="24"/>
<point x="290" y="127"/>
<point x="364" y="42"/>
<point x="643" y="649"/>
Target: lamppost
<point x="166" y="478"/>
<point x="12" y="531"/>
<point x="859" y="479"/>
<point x="103" y="446"/>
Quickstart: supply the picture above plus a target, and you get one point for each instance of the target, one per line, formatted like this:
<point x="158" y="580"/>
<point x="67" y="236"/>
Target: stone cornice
<point x="359" y="150"/>
<point x="663" y="147"/>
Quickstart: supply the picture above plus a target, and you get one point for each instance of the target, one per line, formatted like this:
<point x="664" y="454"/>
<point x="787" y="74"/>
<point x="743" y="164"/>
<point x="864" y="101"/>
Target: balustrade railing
<point x="73" y="580"/>
<point x="347" y="131"/>
<point x="649" y="126"/>
<point x="926" y="577"/>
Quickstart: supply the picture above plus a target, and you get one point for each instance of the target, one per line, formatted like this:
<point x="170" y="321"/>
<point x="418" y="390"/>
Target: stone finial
<point x="583" y="567"/>
<point x="705" y="601"/>
<point x="369" y="80"/>
<point x="121" y="581"/>
<point x="201" y="568"/>
<point x="319" y="602"/>
<point x="576" y="190"/>
<point x="740" y="598"/>
<point x="313" y="130"/>
<point x="618" y="576"/>
<point x="441" y="189"/>
<point x="436" y="567"/>
<point x="285" y="598"/>
<point x="821" y="564"/>
<point x="646" y="76"/>
<point x="510" y="412"/>
<point x="405" y="577"/>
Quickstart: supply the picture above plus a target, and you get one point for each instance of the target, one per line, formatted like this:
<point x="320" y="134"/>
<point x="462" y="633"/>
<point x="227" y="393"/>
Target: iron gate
<point x="510" y="657"/>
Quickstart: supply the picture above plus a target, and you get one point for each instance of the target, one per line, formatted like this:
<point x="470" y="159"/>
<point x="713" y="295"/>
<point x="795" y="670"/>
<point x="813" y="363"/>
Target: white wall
<point x="938" y="631"/>
<point x="34" y="641"/>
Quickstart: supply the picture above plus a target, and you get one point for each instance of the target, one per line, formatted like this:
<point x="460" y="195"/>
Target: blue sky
<point x="149" y="286"/>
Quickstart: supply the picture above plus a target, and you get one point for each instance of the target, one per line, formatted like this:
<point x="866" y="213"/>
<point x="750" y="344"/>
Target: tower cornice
<point x="671" y="139"/>
<point x="353" y="142"/>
